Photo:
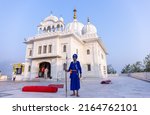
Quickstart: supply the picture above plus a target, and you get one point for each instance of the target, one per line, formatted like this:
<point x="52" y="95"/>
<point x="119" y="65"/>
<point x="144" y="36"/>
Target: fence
<point x="141" y="75"/>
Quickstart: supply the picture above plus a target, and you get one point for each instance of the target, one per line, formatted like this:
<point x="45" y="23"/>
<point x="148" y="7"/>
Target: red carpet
<point x="56" y="85"/>
<point x="40" y="89"/>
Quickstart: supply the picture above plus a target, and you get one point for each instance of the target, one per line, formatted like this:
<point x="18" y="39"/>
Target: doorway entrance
<point x="42" y="67"/>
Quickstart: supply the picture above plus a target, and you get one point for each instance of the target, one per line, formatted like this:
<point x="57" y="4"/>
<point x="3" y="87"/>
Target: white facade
<point x="55" y="40"/>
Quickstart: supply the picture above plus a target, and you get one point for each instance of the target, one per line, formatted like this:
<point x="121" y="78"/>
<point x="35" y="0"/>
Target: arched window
<point x="64" y="48"/>
<point x="61" y="28"/>
<point x="49" y="29"/>
<point x="88" y="51"/>
<point x="40" y="30"/>
<point x="44" y="29"/>
<point x="53" y="28"/>
<point x="58" y="27"/>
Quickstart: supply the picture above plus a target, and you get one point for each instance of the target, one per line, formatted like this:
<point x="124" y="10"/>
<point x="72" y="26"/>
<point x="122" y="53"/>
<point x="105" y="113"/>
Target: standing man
<point x="14" y="75"/>
<point x="46" y="73"/>
<point x="75" y="70"/>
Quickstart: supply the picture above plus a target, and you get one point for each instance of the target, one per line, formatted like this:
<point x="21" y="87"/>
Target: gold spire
<point x="75" y="14"/>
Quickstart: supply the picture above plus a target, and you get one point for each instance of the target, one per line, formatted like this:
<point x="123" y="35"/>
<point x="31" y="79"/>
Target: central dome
<point x="51" y="18"/>
<point x="74" y="26"/>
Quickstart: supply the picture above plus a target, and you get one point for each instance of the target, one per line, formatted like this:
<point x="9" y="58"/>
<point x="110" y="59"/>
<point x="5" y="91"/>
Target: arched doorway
<point x="44" y="65"/>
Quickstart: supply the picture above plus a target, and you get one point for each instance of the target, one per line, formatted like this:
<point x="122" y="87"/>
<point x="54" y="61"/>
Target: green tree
<point x="137" y="67"/>
<point x="111" y="70"/>
<point x="126" y="69"/>
<point x="147" y="63"/>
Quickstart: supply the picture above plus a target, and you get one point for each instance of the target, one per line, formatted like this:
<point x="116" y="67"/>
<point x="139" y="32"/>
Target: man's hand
<point x="66" y="70"/>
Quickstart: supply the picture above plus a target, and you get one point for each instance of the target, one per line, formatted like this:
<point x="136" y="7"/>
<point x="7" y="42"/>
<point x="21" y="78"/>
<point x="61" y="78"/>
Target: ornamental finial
<point x="75" y="13"/>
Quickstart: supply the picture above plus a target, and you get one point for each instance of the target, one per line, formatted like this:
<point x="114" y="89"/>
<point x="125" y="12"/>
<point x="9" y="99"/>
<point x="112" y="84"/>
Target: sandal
<point x="72" y="95"/>
<point x="77" y="95"/>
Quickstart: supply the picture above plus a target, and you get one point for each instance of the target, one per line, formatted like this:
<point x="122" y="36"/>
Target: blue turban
<point x="75" y="56"/>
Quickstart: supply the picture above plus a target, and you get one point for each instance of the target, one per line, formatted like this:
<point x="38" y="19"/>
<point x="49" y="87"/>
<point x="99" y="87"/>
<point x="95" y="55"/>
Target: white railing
<point x="41" y="35"/>
<point x="141" y="75"/>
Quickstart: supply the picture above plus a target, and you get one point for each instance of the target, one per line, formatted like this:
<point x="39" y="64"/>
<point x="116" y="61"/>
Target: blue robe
<point x="74" y="75"/>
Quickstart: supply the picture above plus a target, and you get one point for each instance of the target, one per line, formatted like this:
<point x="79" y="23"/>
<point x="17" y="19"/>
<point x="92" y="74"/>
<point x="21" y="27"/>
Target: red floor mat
<point x="40" y="89"/>
<point x="56" y="85"/>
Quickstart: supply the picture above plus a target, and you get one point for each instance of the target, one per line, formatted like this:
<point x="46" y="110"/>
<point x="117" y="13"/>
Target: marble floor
<point x="121" y="87"/>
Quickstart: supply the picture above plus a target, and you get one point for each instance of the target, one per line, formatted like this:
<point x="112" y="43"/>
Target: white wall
<point x="28" y="48"/>
<point x="141" y="75"/>
<point x="94" y="58"/>
<point x="47" y="42"/>
<point x="102" y="61"/>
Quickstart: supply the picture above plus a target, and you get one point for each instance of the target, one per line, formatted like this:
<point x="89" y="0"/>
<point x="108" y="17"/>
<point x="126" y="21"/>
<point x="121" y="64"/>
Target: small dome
<point x="74" y="26"/>
<point x="89" y="29"/>
<point x="61" y="19"/>
<point x="51" y="18"/>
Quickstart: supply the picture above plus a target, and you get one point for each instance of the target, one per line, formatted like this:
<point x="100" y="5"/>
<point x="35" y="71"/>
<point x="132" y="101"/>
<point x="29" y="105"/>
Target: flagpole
<point x="66" y="75"/>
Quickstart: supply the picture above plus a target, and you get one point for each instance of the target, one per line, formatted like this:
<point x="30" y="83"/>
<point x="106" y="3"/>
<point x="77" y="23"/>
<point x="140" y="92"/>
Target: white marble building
<point x="55" y="40"/>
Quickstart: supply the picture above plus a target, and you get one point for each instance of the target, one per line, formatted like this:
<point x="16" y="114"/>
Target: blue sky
<point x="123" y="25"/>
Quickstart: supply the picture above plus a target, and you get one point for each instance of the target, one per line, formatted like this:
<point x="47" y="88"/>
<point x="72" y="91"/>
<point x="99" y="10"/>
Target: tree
<point x="126" y="69"/>
<point x="137" y="67"/>
<point x="111" y="70"/>
<point x="147" y="63"/>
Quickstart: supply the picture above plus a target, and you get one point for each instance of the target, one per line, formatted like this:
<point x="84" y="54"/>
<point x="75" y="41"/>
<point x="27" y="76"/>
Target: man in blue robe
<point x="75" y="70"/>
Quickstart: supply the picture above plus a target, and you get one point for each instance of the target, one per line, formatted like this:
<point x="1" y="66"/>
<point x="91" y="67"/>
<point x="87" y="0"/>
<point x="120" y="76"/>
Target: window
<point x="88" y="52"/>
<point x="18" y="71"/>
<point x="53" y="29"/>
<point x="45" y="49"/>
<point x="61" y="28"/>
<point x="40" y="50"/>
<point x="58" y="27"/>
<point x="88" y="67"/>
<point x="49" y="29"/>
<point x="30" y="52"/>
<point x="64" y="48"/>
<point x="50" y="49"/>
<point x="44" y="29"/>
<point x="29" y="68"/>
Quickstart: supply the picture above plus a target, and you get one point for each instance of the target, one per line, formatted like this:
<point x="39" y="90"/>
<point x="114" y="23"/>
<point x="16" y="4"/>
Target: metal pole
<point x="66" y="75"/>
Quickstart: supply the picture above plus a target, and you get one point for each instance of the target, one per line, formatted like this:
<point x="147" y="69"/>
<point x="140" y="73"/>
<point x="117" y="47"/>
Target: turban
<point x="75" y="56"/>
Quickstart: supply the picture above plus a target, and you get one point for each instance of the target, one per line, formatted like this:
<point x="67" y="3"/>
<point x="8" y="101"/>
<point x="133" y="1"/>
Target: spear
<point x="66" y="75"/>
